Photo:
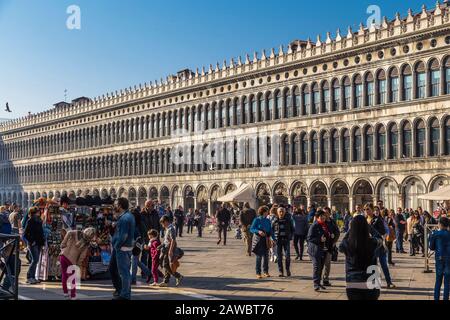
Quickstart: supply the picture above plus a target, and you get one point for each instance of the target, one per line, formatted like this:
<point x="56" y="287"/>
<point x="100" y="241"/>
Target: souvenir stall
<point x="100" y="252"/>
<point x="49" y="268"/>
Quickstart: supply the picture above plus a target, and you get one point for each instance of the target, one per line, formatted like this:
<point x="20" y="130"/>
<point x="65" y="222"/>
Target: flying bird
<point x="7" y="108"/>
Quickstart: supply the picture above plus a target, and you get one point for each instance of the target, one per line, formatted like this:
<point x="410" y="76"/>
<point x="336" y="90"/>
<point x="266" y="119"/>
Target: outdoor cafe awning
<point x="244" y="193"/>
<point x="442" y="194"/>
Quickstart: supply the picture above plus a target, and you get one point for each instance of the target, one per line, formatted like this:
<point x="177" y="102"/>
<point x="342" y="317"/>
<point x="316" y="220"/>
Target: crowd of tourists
<point x="146" y="239"/>
<point x="370" y="234"/>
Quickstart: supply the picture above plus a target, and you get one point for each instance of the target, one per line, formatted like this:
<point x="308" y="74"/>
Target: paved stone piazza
<point x="218" y="272"/>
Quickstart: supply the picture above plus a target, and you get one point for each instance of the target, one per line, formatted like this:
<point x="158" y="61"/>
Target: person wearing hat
<point x="75" y="247"/>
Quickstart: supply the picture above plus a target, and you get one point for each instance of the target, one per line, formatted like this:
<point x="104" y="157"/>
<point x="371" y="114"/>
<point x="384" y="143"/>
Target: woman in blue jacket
<point x="262" y="229"/>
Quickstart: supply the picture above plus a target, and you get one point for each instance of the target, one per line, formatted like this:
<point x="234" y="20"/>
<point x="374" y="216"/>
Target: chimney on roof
<point x="185" y="74"/>
<point x="298" y="45"/>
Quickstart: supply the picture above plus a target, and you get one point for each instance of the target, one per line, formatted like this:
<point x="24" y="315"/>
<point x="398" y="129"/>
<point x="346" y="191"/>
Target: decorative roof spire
<point x="338" y="35"/>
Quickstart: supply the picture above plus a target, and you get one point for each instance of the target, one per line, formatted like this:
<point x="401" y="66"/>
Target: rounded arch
<point x="188" y="197"/>
<point x="202" y="198"/>
<point x="299" y="193"/>
<point x="164" y="195"/>
<point x="263" y="193"/>
<point x="215" y="192"/>
<point x="387" y="191"/>
<point x="363" y="192"/>
<point x="411" y="188"/>
<point x="230" y="187"/>
<point x="280" y="193"/>
<point x="176" y="197"/>
<point x="153" y="194"/>
<point x="340" y="196"/>
<point x="142" y="197"/>
<point x="319" y="192"/>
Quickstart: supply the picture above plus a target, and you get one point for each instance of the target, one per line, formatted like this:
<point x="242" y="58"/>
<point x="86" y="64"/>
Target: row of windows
<point x="369" y="143"/>
<point x="406" y="83"/>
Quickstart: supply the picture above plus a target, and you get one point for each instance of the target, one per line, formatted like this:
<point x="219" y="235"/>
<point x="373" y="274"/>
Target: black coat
<point x="316" y="248"/>
<point x="179" y="217"/>
<point x="34" y="232"/>
<point x="286" y="224"/>
<point x="149" y="221"/>
<point x="224" y="217"/>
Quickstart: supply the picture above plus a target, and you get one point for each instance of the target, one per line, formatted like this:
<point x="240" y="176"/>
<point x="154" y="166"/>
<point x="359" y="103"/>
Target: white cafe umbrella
<point x="244" y="193"/>
<point x="442" y="194"/>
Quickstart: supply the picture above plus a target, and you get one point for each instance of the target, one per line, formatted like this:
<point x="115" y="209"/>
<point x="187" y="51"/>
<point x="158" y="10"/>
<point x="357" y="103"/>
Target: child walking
<point x="155" y="251"/>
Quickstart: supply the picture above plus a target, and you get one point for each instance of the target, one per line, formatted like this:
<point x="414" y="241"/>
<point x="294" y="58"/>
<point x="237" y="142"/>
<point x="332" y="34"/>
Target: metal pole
<point x="427" y="260"/>
<point x="16" y="268"/>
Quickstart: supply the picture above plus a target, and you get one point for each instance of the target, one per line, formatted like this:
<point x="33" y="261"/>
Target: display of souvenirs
<point x="83" y="218"/>
<point x="49" y="267"/>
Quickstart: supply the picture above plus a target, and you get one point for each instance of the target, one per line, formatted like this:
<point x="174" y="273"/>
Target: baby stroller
<point x="238" y="234"/>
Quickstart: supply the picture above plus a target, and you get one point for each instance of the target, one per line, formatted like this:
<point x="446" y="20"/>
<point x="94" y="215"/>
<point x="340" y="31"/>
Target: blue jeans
<point x="442" y="273"/>
<point x="265" y="259"/>
<point x="120" y="272"/>
<point x="399" y="244"/>
<point x="284" y="246"/>
<point x="135" y="263"/>
<point x="35" y="252"/>
<point x="382" y="257"/>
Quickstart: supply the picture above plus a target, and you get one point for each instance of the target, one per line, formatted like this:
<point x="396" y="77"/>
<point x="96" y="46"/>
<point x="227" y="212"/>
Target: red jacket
<point x="154" y="252"/>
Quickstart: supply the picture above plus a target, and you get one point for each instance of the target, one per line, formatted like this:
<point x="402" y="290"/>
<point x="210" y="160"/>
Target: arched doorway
<point x="412" y="189"/>
<point x="153" y="194"/>
<point x="142" y="197"/>
<point x="202" y="198"/>
<point x="299" y="195"/>
<point x="362" y="192"/>
<point x="340" y="194"/>
<point x="230" y="188"/>
<point x="436" y="184"/>
<point x="113" y="193"/>
<point x="188" y="198"/>
<point x="388" y="193"/>
<point x="165" y="196"/>
<point x="132" y="197"/>
<point x="263" y="194"/>
<point x="215" y="194"/>
<point x="319" y="195"/>
<point x="280" y="194"/>
<point x="176" y="197"/>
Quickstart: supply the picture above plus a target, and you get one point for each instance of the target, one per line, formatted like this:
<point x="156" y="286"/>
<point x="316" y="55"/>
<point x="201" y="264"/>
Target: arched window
<point x="260" y="108"/>
<point x="381" y="143"/>
<point x="447" y="136"/>
<point x="336" y="96"/>
<point x="394" y="85"/>
<point x="358" y="91"/>
<point x="434" y="138"/>
<point x="304" y="158"/>
<point x="326" y="96"/>
<point x="216" y="116"/>
<point x="269" y="107"/>
<point x="368" y="144"/>
<point x="370" y="90"/>
<point x="252" y="114"/>
<point x="421" y="81"/>
<point x="314" y="148"/>
<point x="306" y="100"/>
<point x="246" y="114"/>
<point x="357" y="145"/>
<point x="407" y="80"/>
<point x="347" y="93"/>
<point x="346" y="146"/>
<point x="230" y="112"/>
<point x="324" y="147"/>
<point x="286" y="104"/>
<point x="286" y="151"/>
<point x="393" y="142"/>
<point x="315" y="105"/>
<point x="296" y="149"/>
<point x="420" y="139"/>
<point x="334" y="147"/>
<point x="223" y="112"/>
<point x="278" y="105"/>
<point x="238" y="112"/>
<point x="382" y="88"/>
<point x="435" y="78"/>
<point x="407" y="140"/>
<point x="296" y="102"/>
<point x="447" y="75"/>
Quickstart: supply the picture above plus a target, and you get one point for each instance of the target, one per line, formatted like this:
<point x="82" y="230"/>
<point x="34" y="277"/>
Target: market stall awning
<point x="442" y="194"/>
<point x="244" y="193"/>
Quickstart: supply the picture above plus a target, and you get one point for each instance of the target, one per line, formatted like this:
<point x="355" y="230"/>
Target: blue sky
<point x="124" y="43"/>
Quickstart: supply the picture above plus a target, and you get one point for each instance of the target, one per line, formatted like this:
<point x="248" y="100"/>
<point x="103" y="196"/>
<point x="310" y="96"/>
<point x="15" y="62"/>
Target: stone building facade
<point x="355" y="119"/>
